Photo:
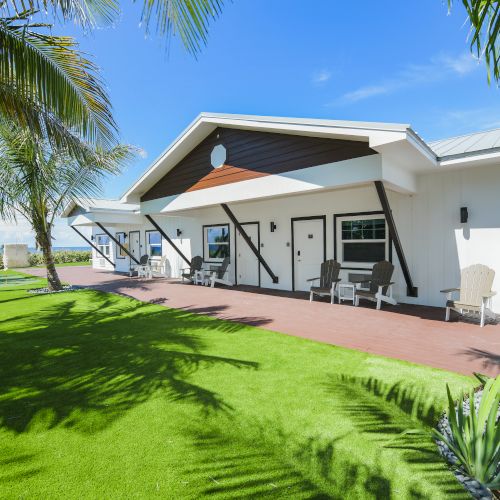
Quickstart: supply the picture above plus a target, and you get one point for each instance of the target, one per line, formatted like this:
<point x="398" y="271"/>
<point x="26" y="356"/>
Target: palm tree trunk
<point x="53" y="281"/>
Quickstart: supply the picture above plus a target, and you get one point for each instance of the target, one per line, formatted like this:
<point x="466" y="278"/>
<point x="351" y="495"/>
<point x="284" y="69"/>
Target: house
<point x="280" y="195"/>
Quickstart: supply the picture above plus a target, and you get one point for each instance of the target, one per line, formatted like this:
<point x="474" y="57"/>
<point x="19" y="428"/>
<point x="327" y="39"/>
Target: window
<point x="103" y="244"/>
<point x="216" y="242"/>
<point x="153" y="241"/>
<point x="363" y="240"/>
<point x="122" y="239"/>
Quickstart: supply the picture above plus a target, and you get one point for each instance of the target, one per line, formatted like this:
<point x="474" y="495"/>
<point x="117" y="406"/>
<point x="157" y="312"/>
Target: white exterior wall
<point x="435" y="243"/>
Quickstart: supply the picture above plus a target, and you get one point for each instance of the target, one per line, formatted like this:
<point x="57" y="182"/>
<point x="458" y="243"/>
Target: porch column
<point x="169" y="241"/>
<point x="92" y="245"/>
<point x="249" y="242"/>
<point x="118" y="243"/>
<point x="411" y="291"/>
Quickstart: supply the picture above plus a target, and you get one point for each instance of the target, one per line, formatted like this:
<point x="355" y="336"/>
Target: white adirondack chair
<point x="475" y="292"/>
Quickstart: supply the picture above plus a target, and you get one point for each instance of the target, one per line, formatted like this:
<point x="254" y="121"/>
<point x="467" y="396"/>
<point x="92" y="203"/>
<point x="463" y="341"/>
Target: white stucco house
<point x="304" y="190"/>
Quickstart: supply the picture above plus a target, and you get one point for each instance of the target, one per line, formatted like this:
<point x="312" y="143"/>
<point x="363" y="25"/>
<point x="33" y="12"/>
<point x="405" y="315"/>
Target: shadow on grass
<point x="409" y="409"/>
<point x="86" y="357"/>
<point x="249" y="465"/>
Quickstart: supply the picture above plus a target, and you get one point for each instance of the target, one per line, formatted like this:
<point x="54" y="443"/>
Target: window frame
<point x="338" y="240"/>
<point x="206" y="257"/>
<point x="107" y="254"/>
<point x="148" y="245"/>
<point x="119" y="252"/>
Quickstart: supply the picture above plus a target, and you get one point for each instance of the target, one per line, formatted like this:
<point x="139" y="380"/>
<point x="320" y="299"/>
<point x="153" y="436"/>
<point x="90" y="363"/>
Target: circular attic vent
<point x="218" y="156"/>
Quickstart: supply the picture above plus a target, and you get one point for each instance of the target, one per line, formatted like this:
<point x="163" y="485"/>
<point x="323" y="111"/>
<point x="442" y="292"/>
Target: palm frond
<point x="189" y="19"/>
<point x="484" y="19"/>
<point x="87" y="13"/>
<point x="50" y="71"/>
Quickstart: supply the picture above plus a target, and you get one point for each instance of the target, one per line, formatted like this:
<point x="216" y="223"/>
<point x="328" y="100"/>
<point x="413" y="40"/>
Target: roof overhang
<point x="388" y="139"/>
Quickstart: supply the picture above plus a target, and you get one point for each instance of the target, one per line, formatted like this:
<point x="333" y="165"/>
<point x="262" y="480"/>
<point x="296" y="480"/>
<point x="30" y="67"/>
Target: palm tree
<point x="37" y="181"/>
<point x="484" y="19"/>
<point x="47" y="85"/>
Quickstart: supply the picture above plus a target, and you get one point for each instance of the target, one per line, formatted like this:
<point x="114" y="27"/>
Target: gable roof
<point x="377" y="134"/>
<point x="100" y="205"/>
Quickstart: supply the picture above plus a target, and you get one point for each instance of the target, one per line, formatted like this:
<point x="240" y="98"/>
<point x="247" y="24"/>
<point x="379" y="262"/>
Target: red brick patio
<point x="412" y="333"/>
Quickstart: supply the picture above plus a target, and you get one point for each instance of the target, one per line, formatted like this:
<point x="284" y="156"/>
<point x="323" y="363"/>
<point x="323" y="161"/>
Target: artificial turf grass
<point x="108" y="397"/>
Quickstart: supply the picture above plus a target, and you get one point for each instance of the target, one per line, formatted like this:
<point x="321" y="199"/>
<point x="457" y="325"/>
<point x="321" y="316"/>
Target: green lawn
<point x="105" y="397"/>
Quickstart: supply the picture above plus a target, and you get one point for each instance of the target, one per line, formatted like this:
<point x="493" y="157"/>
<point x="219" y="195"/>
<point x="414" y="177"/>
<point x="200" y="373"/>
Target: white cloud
<point x="322" y="76"/>
<point x="447" y="123"/>
<point x="439" y="68"/>
<point x="21" y="232"/>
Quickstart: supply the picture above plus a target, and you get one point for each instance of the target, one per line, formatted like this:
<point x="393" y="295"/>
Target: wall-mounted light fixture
<point x="273" y="227"/>
<point x="92" y="237"/>
<point x="179" y="232"/>
<point x="464" y="215"/>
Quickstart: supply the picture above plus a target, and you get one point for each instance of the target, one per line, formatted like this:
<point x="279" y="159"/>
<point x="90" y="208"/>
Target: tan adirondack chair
<point x="328" y="280"/>
<point x="380" y="285"/>
<point x="475" y="292"/>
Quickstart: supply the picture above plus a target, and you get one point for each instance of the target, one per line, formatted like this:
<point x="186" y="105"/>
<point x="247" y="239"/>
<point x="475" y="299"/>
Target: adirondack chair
<point x="190" y="272"/>
<point x="380" y="285"/>
<point x="144" y="267"/>
<point x="328" y="280"/>
<point x="475" y="292"/>
<point x="219" y="275"/>
<point x="160" y="267"/>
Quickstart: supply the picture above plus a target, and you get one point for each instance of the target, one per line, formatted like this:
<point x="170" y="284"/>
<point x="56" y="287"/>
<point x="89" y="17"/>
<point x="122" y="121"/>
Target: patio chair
<point x="160" y="267"/>
<point x="144" y="268"/>
<point x="189" y="273"/>
<point x="379" y="285"/>
<point x="475" y="292"/>
<point x="220" y="274"/>
<point x="328" y="280"/>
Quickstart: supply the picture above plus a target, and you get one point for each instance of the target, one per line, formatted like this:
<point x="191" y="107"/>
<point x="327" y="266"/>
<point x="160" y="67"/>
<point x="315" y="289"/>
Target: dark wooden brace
<point x="411" y="290"/>
<point x="169" y="241"/>
<point x="92" y="245"/>
<point x="118" y="243"/>
<point x="249" y="242"/>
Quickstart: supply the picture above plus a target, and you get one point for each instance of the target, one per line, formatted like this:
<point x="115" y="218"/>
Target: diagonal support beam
<point x="169" y="241"/>
<point x="118" y="243"/>
<point x="92" y="245"/>
<point x="249" y="242"/>
<point x="411" y="291"/>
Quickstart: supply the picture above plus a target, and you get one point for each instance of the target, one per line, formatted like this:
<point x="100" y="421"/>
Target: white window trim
<point x="340" y="240"/>
<point x="148" y="245"/>
<point x="206" y="254"/>
<point x="102" y="248"/>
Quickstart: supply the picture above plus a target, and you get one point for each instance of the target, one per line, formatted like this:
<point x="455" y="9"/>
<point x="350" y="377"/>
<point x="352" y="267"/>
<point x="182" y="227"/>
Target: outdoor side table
<point x="346" y="291"/>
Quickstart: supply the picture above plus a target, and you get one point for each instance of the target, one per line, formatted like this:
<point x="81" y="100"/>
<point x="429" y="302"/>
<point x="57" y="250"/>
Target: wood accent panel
<point x="252" y="154"/>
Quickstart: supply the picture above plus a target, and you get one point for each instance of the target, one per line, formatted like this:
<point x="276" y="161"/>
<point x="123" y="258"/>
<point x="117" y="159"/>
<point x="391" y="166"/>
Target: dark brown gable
<point x="250" y="155"/>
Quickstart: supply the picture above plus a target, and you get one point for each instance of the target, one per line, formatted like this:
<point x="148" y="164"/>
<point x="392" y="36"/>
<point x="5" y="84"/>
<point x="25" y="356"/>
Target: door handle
<point x="298" y="252"/>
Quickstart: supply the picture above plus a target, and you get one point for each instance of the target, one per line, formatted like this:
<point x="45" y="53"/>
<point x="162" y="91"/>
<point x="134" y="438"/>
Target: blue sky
<point x="387" y="61"/>
<point x="382" y="61"/>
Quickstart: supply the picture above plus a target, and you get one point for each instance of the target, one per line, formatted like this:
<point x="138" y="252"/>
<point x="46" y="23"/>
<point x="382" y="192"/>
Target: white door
<point x="247" y="264"/>
<point x="135" y="245"/>
<point x="308" y="249"/>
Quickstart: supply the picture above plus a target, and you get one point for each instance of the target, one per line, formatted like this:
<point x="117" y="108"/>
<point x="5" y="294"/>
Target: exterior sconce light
<point x="179" y="232"/>
<point x="92" y="237"/>
<point x="464" y="215"/>
<point x="273" y="227"/>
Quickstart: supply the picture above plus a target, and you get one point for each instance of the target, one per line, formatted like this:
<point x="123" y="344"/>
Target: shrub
<point x="61" y="257"/>
<point x="475" y="437"/>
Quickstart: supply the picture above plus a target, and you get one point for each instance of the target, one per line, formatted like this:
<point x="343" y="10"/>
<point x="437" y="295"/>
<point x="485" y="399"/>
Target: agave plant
<point x="475" y="436"/>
